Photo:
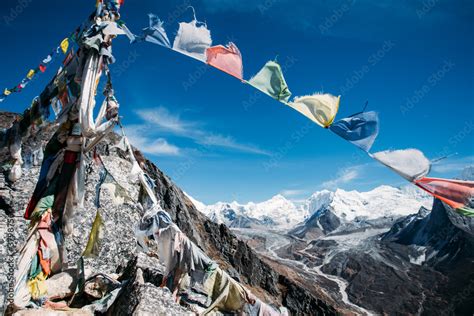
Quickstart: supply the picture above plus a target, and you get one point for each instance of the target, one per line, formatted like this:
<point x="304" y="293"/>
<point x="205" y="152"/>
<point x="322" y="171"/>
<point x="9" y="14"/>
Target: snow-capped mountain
<point x="344" y="206"/>
<point x="352" y="210"/>
<point x="468" y="173"/>
<point x="381" y="202"/>
<point x="277" y="211"/>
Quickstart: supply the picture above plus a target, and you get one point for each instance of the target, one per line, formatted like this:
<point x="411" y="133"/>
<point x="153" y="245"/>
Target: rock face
<point x="320" y="223"/>
<point x="119" y="246"/>
<point x="446" y="240"/>
<point x="142" y="294"/>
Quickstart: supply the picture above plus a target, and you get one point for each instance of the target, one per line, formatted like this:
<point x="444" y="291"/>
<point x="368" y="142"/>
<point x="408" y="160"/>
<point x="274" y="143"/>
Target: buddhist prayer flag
<point x="48" y="59"/>
<point x="411" y="164"/>
<point x="93" y="244"/>
<point x="154" y="33"/>
<point x="456" y="193"/>
<point x="270" y="81"/>
<point x="193" y="40"/>
<point x="466" y="211"/>
<point x="127" y="32"/>
<point x="64" y="45"/>
<point x="320" y="108"/>
<point x="227" y="59"/>
<point x="360" y="129"/>
<point x="112" y="28"/>
<point x="30" y="74"/>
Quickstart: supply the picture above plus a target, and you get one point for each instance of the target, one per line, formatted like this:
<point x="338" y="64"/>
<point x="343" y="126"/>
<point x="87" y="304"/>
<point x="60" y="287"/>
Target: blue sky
<point x="218" y="139"/>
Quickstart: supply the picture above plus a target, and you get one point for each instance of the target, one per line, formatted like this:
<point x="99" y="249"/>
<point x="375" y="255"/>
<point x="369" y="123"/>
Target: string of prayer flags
<point x="64" y="46"/>
<point x="319" y="108"/>
<point x="360" y="129"/>
<point x="270" y="81"/>
<point x="227" y="59"/>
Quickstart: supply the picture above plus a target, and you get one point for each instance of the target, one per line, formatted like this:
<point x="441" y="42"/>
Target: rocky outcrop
<point x="142" y="294"/>
<point x="318" y="224"/>
<point x="447" y="241"/>
<point x="445" y="235"/>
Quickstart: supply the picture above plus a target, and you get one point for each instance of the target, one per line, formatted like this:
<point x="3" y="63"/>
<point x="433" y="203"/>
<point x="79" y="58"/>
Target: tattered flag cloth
<point x="64" y="180"/>
<point x="193" y="40"/>
<point x="119" y="193"/>
<point x="319" y="108"/>
<point x="154" y="33"/>
<point x="127" y="32"/>
<point x="456" y="193"/>
<point x="227" y="59"/>
<point x="138" y="172"/>
<point x="196" y="278"/>
<point x="270" y="81"/>
<point x="112" y="28"/>
<point x="360" y="129"/>
<point x="93" y="244"/>
<point x="411" y="164"/>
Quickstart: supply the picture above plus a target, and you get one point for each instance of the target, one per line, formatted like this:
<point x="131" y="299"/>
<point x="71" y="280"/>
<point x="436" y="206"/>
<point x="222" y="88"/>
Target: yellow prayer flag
<point x="320" y="108"/>
<point x="93" y="244"/>
<point x="30" y="74"/>
<point x="65" y="45"/>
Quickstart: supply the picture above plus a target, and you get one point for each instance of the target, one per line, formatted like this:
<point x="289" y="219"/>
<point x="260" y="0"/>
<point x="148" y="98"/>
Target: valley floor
<point x="276" y="244"/>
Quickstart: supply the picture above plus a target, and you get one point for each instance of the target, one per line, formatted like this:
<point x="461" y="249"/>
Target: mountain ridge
<point x="283" y="214"/>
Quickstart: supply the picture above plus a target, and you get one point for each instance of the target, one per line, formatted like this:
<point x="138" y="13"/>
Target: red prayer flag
<point x="455" y="193"/>
<point x="227" y="59"/>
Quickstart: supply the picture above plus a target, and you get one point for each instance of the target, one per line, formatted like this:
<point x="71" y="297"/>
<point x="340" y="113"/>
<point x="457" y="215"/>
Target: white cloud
<point x="450" y="165"/>
<point x="149" y="145"/>
<point x="230" y="143"/>
<point x="162" y="120"/>
<point x="293" y="193"/>
<point x="344" y="176"/>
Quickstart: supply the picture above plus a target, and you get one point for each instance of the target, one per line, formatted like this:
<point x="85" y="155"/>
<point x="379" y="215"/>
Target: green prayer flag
<point x="270" y="81"/>
<point x="466" y="211"/>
